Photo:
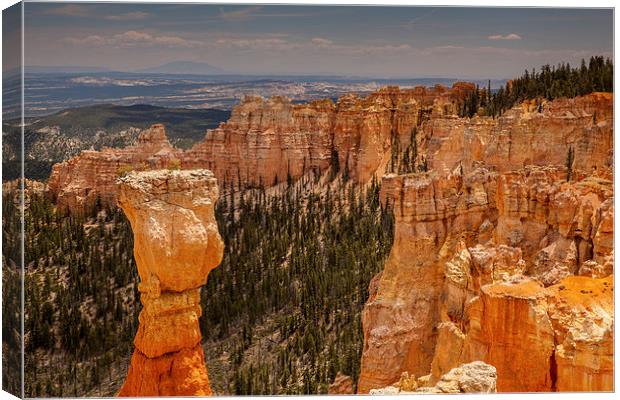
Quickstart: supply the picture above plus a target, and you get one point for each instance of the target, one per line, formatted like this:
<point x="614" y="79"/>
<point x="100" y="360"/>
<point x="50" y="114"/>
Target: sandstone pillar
<point x="176" y="244"/>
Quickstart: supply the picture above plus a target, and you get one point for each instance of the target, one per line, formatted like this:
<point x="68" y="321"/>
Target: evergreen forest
<point x="550" y="82"/>
<point x="281" y="314"/>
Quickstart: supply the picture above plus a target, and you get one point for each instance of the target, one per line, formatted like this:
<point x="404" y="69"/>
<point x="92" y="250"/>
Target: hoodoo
<point x="176" y="244"/>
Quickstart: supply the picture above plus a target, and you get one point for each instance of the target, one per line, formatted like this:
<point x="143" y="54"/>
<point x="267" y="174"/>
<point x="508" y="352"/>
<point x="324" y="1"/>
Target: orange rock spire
<point x="176" y="244"/>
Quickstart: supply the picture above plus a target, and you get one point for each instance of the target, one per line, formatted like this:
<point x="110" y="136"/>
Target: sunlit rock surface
<point x="176" y="244"/>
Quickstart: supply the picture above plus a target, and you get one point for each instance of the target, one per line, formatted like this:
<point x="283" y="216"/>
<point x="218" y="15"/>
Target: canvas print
<point x="229" y="199"/>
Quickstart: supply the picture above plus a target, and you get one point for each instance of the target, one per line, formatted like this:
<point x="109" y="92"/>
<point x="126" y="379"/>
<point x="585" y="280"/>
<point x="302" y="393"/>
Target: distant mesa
<point x="184" y="67"/>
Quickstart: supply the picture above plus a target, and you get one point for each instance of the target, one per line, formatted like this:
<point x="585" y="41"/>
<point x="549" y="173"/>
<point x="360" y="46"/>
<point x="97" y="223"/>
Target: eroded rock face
<point x="524" y="136"/>
<point x="540" y="339"/>
<point x="92" y="175"/>
<point x="176" y="244"/>
<point x="510" y="329"/>
<point x="494" y="212"/>
<point x="266" y="141"/>
<point x="471" y="276"/>
<point x="497" y="205"/>
<point x="433" y="214"/>
<point x="581" y="311"/>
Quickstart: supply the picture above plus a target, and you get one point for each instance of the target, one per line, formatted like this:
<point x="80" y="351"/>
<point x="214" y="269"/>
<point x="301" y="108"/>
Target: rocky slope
<point x="176" y="244"/>
<point x="483" y="244"/>
<point x="474" y="377"/>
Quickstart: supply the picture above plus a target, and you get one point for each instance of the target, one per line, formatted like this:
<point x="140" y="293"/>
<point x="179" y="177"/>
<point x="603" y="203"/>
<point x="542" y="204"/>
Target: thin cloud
<point x="90" y="40"/>
<point x="71" y="10"/>
<point x="247" y="13"/>
<point x="321" y="42"/>
<point x="239" y="15"/>
<point x="133" y="39"/>
<point x="267" y="43"/>
<point x="510" y="36"/>
<point x="130" y="16"/>
<point x="358" y="49"/>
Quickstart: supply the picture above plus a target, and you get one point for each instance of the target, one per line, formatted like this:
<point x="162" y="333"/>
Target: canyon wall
<point x="512" y="269"/>
<point x="527" y="134"/>
<point x="176" y="244"/>
<point x="502" y="252"/>
<point x="268" y="141"/>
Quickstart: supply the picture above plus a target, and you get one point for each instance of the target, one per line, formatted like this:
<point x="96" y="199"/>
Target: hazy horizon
<point x="360" y="41"/>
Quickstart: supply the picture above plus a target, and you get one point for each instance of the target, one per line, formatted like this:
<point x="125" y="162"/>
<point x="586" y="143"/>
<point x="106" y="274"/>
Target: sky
<point x="372" y="41"/>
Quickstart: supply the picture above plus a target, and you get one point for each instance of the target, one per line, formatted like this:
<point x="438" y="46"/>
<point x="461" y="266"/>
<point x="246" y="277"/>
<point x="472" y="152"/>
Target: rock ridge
<point x="269" y="141"/>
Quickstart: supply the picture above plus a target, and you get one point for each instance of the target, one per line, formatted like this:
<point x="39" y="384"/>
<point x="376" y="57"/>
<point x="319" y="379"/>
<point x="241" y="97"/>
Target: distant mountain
<point x="184" y="67"/>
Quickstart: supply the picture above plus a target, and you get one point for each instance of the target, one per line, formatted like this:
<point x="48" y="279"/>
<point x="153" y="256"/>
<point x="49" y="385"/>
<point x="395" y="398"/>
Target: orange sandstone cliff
<point x="176" y="244"/>
<point x="466" y="278"/>
<point x="502" y="253"/>
<point x="92" y="174"/>
<point x="267" y="141"/>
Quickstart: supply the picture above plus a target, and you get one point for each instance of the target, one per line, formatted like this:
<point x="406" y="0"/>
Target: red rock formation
<point x="524" y="136"/>
<point x="539" y="339"/>
<point x="176" y="244"/>
<point x="510" y="329"/>
<point x="432" y="214"/>
<point x="461" y="227"/>
<point x="265" y="141"/>
<point x="496" y="204"/>
<point x="581" y="310"/>
<point x="555" y="222"/>
<point x="445" y="296"/>
<point x="92" y="174"/>
<point x="342" y="384"/>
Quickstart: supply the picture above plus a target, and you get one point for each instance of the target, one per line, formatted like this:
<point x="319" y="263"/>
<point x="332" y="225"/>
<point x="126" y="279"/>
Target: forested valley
<point x="281" y="314"/>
